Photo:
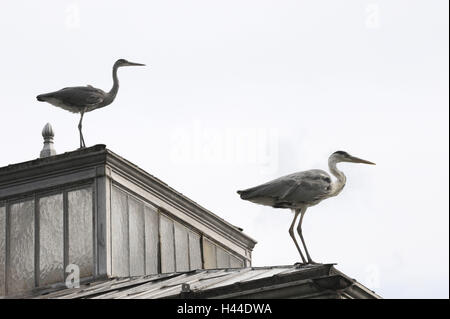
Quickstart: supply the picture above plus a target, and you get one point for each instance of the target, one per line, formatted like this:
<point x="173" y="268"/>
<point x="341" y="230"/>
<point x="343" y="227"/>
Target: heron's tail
<point x="41" y="98"/>
<point x="243" y="194"/>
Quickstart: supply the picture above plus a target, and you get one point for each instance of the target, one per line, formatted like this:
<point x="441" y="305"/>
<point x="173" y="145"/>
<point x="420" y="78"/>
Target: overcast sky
<point x="236" y="93"/>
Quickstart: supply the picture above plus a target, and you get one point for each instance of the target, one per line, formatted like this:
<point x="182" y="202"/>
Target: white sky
<point x="239" y="92"/>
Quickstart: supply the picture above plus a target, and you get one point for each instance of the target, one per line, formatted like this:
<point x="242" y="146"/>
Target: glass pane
<point x="151" y="241"/>
<point x="195" y="255"/>
<point x="209" y="254"/>
<point x="167" y="245"/>
<point x="235" y="262"/>
<point x="181" y="248"/>
<point x="119" y="221"/>
<point x="80" y="230"/>
<point x="2" y="249"/>
<point x="51" y="240"/>
<point x="21" y="248"/>
<point x="136" y="213"/>
<point x="223" y="258"/>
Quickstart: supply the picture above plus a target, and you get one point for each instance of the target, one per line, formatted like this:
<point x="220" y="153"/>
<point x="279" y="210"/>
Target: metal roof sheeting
<point x="220" y="283"/>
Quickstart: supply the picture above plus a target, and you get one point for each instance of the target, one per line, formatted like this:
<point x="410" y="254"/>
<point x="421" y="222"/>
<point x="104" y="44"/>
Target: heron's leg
<point x="81" y="133"/>
<point x="299" y="231"/>
<point x="291" y="232"/>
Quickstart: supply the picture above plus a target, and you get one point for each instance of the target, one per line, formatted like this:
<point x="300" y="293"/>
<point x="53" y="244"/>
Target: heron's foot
<point x="82" y="144"/>
<point x="312" y="262"/>
<point x="299" y="264"/>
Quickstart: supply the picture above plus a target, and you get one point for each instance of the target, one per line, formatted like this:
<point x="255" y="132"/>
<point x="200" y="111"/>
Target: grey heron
<point x="82" y="99"/>
<point x="300" y="190"/>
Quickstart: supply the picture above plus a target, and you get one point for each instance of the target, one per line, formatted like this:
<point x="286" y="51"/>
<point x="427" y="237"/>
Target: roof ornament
<point x="48" y="134"/>
<point x="185" y="287"/>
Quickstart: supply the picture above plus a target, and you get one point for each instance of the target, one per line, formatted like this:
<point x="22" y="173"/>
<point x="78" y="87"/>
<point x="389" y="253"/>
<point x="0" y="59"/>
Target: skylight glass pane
<point x="209" y="254"/>
<point x="80" y="230"/>
<point x="51" y="240"/>
<point x="2" y="249"/>
<point x="181" y="248"/>
<point x="21" y="248"/>
<point x="137" y="255"/>
<point x="235" y="262"/>
<point x="151" y="241"/>
<point x="167" y="245"/>
<point x="223" y="258"/>
<point x="195" y="255"/>
<point x="119" y="221"/>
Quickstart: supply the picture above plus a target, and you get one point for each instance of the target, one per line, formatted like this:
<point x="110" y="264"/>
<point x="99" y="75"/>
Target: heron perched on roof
<point x="82" y="99"/>
<point x="298" y="191"/>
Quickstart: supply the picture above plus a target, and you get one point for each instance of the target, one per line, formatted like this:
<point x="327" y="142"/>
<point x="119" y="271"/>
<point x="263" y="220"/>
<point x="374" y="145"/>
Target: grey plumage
<point x="75" y="99"/>
<point x="82" y="99"/>
<point x="291" y="191"/>
<point x="298" y="191"/>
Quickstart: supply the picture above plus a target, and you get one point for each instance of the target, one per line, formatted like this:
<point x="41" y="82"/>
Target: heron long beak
<point x="137" y="64"/>
<point x="354" y="159"/>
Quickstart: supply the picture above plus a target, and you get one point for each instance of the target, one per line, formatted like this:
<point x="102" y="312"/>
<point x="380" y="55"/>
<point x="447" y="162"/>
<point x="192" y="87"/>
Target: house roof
<point x="292" y="281"/>
<point x="26" y="177"/>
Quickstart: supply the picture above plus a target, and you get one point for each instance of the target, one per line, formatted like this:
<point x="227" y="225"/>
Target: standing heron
<point x="298" y="191"/>
<point x="82" y="99"/>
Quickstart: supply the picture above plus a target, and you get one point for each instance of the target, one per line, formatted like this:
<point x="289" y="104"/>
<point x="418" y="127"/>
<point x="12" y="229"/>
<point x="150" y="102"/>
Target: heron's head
<point x="341" y="156"/>
<point x="123" y="62"/>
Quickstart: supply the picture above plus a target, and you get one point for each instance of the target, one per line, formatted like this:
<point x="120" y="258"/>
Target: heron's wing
<point x="291" y="190"/>
<point x="80" y="95"/>
<point x="76" y="98"/>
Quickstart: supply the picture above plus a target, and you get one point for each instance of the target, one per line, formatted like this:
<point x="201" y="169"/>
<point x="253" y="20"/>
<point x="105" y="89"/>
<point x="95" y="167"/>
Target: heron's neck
<point x="113" y="92"/>
<point x="339" y="183"/>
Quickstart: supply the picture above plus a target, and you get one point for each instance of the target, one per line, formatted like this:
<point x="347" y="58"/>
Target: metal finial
<point x="48" y="134"/>
<point x="185" y="287"/>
